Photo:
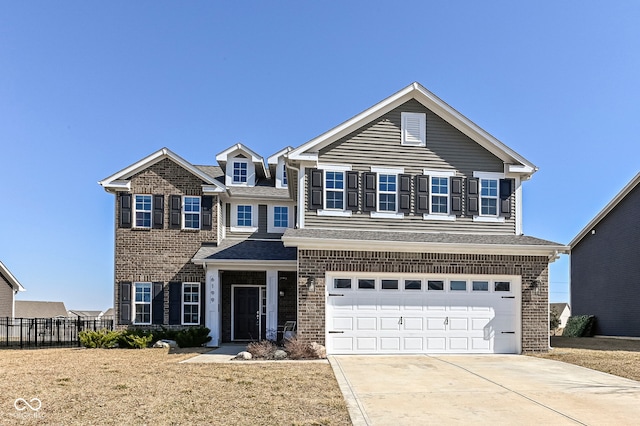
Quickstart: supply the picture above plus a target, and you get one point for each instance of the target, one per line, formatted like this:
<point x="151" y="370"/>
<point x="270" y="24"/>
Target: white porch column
<point x="213" y="305"/>
<point x="272" y="304"/>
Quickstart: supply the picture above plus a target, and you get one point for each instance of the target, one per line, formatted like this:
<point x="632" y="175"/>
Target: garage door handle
<point x="508" y="297"/>
<point x="335" y="294"/>
<point x="508" y="332"/>
<point x="335" y="332"/>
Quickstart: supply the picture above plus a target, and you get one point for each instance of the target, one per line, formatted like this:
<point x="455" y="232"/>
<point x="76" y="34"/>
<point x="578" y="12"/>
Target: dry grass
<point x="149" y="386"/>
<point x="614" y="356"/>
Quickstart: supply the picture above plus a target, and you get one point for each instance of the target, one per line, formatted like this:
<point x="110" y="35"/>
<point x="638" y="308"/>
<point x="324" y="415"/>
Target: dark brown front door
<point x="246" y="309"/>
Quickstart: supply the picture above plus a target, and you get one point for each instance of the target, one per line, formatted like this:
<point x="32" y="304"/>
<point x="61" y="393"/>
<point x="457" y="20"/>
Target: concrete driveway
<point x="489" y="389"/>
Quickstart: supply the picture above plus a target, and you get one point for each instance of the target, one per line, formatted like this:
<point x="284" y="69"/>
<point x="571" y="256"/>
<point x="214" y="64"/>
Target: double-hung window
<point x="143" y="211"/>
<point x="142" y="303"/>
<point x="280" y="217"/>
<point x="191" y="212"/>
<point x="488" y="197"/>
<point x="245" y="215"/>
<point x="190" y="303"/>
<point x="240" y="172"/>
<point x="387" y="192"/>
<point x="334" y="190"/>
<point x="439" y="195"/>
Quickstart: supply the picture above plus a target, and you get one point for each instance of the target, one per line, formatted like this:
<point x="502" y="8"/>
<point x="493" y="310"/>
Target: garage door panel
<point x="413" y="344"/>
<point x="460" y="344"/>
<point x="436" y="343"/>
<point x="390" y="343"/>
<point x="480" y="344"/>
<point x="459" y="324"/>
<point x="366" y="323"/>
<point x="366" y="344"/>
<point x="435" y="324"/>
<point x="342" y="344"/>
<point x="390" y="323"/>
<point x="342" y="323"/>
<point x="367" y="304"/>
<point x="413" y="324"/>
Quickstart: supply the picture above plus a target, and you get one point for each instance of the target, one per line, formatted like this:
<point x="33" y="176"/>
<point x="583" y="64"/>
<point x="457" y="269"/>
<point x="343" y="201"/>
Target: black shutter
<point x="506" y="189"/>
<point x="456" y="195"/>
<point x="158" y="211"/>
<point x="175" y="302"/>
<point x="316" y="188"/>
<point x="207" y="212"/>
<point x="473" y="196"/>
<point x="369" y="181"/>
<point x="157" y="304"/>
<point x="422" y="194"/>
<point x="125" y="210"/>
<point x="404" y="193"/>
<point x="125" y="303"/>
<point x="202" y="303"/>
<point x="175" y="212"/>
<point x="352" y="191"/>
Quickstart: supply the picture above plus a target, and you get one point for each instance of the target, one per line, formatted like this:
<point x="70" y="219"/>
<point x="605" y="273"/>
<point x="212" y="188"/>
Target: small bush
<point x="264" y="349"/>
<point x="103" y="339"/>
<point x="192" y="337"/>
<point x="579" y="326"/>
<point x="297" y="349"/>
<point x="135" y="339"/>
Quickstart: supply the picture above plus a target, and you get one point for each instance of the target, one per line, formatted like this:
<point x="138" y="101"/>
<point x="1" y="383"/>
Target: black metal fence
<point x="47" y="332"/>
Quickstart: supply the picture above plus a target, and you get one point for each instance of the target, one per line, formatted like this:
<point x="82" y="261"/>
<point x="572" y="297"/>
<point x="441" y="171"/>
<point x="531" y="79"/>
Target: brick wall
<point x="160" y="255"/>
<point x="314" y="264"/>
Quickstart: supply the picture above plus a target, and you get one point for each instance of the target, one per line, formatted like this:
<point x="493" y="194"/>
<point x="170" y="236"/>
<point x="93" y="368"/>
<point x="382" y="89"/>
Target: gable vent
<point x="414" y="126"/>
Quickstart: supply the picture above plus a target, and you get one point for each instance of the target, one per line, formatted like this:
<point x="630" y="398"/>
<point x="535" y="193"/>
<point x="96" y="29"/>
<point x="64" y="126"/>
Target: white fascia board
<point x="212" y="189"/>
<point x="15" y="284"/>
<point x="118" y="185"/>
<point x="273" y="159"/>
<point x="254" y="157"/>
<point x="422" y="247"/>
<point x="605" y="211"/>
<point x="248" y="265"/>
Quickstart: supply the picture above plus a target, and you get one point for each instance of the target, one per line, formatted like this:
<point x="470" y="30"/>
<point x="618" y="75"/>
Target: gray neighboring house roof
<point x="33" y="309"/>
<point x="440" y="242"/>
<point x="559" y="307"/>
<point x="109" y="313"/>
<point x="258" y="250"/>
<point x="84" y="314"/>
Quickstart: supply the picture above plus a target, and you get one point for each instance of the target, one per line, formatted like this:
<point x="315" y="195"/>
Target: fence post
<point x="21" y="333"/>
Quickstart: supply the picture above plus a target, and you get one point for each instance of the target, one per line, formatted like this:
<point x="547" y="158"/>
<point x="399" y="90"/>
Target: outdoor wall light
<point x="535" y="287"/>
<point x="281" y="294"/>
<point x="311" y="284"/>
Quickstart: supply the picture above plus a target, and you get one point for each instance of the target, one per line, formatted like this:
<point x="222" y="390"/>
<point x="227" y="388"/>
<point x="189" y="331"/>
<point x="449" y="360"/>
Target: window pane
<point x="412" y="284"/>
<point x="239" y="172"/>
<point x="489" y="187"/>
<point x="439" y="185"/>
<point x="387" y="183"/>
<point x="335" y="200"/>
<point x="143" y="211"/>
<point x="280" y="217"/>
<point x="502" y="286"/>
<point x="284" y="176"/>
<point x="244" y="216"/>
<point x="389" y="284"/>
<point x="435" y="285"/>
<point x="489" y="206"/>
<point x="335" y="180"/>
<point x="388" y="202"/>
<point x="366" y="284"/>
<point x="342" y="283"/>
<point x="458" y="285"/>
<point x="439" y="204"/>
<point x="480" y="286"/>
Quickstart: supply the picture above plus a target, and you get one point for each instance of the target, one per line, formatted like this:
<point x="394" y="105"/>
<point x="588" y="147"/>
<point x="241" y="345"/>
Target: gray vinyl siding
<point x="378" y="144"/>
<point x="6" y="298"/>
<point x="263" y="219"/>
<point x="605" y="271"/>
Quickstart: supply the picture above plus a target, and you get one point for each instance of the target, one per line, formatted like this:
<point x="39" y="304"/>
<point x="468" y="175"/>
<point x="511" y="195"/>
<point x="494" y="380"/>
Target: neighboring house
<point x="564" y="312"/>
<point x="399" y="231"/>
<point x="36" y="309"/>
<point x="109" y="313"/>
<point x="9" y="287"/>
<point x="84" y="314"/>
<point x="605" y="266"/>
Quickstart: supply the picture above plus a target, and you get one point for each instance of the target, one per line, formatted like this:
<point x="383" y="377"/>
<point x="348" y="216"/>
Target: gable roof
<point x="13" y="282"/>
<point x="255" y="158"/>
<point x="517" y="163"/>
<point x="119" y="181"/>
<point x="606" y="210"/>
<point x="559" y="307"/>
<point x="33" y="309"/>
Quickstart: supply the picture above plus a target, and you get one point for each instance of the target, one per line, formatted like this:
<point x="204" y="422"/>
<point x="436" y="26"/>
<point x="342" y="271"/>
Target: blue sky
<point x="87" y="88"/>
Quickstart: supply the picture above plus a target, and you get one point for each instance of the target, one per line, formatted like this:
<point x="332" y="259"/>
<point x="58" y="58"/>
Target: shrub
<point x="263" y="349"/>
<point x="192" y="337"/>
<point x="104" y="338"/>
<point x="579" y="326"/>
<point x="135" y="339"/>
<point x="297" y="349"/>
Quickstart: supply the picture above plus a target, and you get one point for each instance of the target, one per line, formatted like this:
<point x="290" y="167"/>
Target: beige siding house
<point x="9" y="287"/>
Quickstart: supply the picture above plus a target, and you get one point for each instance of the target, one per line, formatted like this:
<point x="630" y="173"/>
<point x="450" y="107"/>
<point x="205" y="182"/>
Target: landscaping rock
<point x="244" y="355"/>
<point x="318" y="350"/>
<point x="165" y="343"/>
<point x="279" y="354"/>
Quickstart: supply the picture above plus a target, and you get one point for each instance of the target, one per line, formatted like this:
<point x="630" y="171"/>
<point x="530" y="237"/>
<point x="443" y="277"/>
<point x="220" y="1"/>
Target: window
<point x="502" y="286"/>
<point x="284" y="175"/>
<point x="366" y="284"/>
<point x="334" y="190"/>
<point x="191" y="212"/>
<point x="439" y="195"/>
<point x="414" y="128"/>
<point x="142" y="303"/>
<point x="389" y="284"/>
<point x="480" y="286"/>
<point x="488" y="197"/>
<point x="240" y="172"/>
<point x="342" y="283"/>
<point x="281" y="217"/>
<point x="387" y="193"/>
<point x="191" y="303"/>
<point x="412" y="285"/>
<point x="244" y="216"/>
<point x="435" y="285"/>
<point x="458" y="286"/>
<point x="143" y="211"/>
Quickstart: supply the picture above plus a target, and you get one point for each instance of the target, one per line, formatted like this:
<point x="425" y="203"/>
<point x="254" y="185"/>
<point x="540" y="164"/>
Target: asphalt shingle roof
<point x="247" y="250"/>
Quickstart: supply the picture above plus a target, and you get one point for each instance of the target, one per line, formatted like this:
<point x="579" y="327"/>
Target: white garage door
<point x="418" y="314"/>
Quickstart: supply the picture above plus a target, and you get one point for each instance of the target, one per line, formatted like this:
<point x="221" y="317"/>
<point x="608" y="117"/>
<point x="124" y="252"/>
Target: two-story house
<point x="9" y="287"/>
<point x="398" y="231"/>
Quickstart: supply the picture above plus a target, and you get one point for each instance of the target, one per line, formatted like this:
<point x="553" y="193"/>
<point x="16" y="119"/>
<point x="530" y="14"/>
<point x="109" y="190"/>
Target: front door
<point x="246" y="313"/>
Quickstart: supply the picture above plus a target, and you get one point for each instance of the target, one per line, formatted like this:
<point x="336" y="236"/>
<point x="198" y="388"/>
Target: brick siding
<point x="533" y="269"/>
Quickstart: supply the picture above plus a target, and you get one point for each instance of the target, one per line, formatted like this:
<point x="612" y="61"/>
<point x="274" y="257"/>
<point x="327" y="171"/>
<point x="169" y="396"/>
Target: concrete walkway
<point x="489" y="389"/>
<point x="224" y="353"/>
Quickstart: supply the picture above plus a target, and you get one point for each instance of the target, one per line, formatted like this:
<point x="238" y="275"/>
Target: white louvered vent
<point x="414" y="128"/>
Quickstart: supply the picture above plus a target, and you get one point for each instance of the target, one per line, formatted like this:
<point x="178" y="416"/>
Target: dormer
<point x="241" y="166"/>
<point x="278" y="167"/>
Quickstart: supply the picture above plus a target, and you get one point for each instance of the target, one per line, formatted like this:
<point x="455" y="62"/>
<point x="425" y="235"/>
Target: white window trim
<point x="439" y="216"/>
<point x="423" y="128"/>
<point x="183" y="303"/>
<point x="251" y="172"/>
<point x="184" y="213"/>
<point x="135" y="211"/>
<point x="332" y="212"/>
<point x="386" y="214"/>
<point x="271" y="227"/>
<point x="488" y="218"/>
<point x="281" y="170"/>
<point x="234" y="218"/>
<point x="325" y="189"/>
<point x="135" y="304"/>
